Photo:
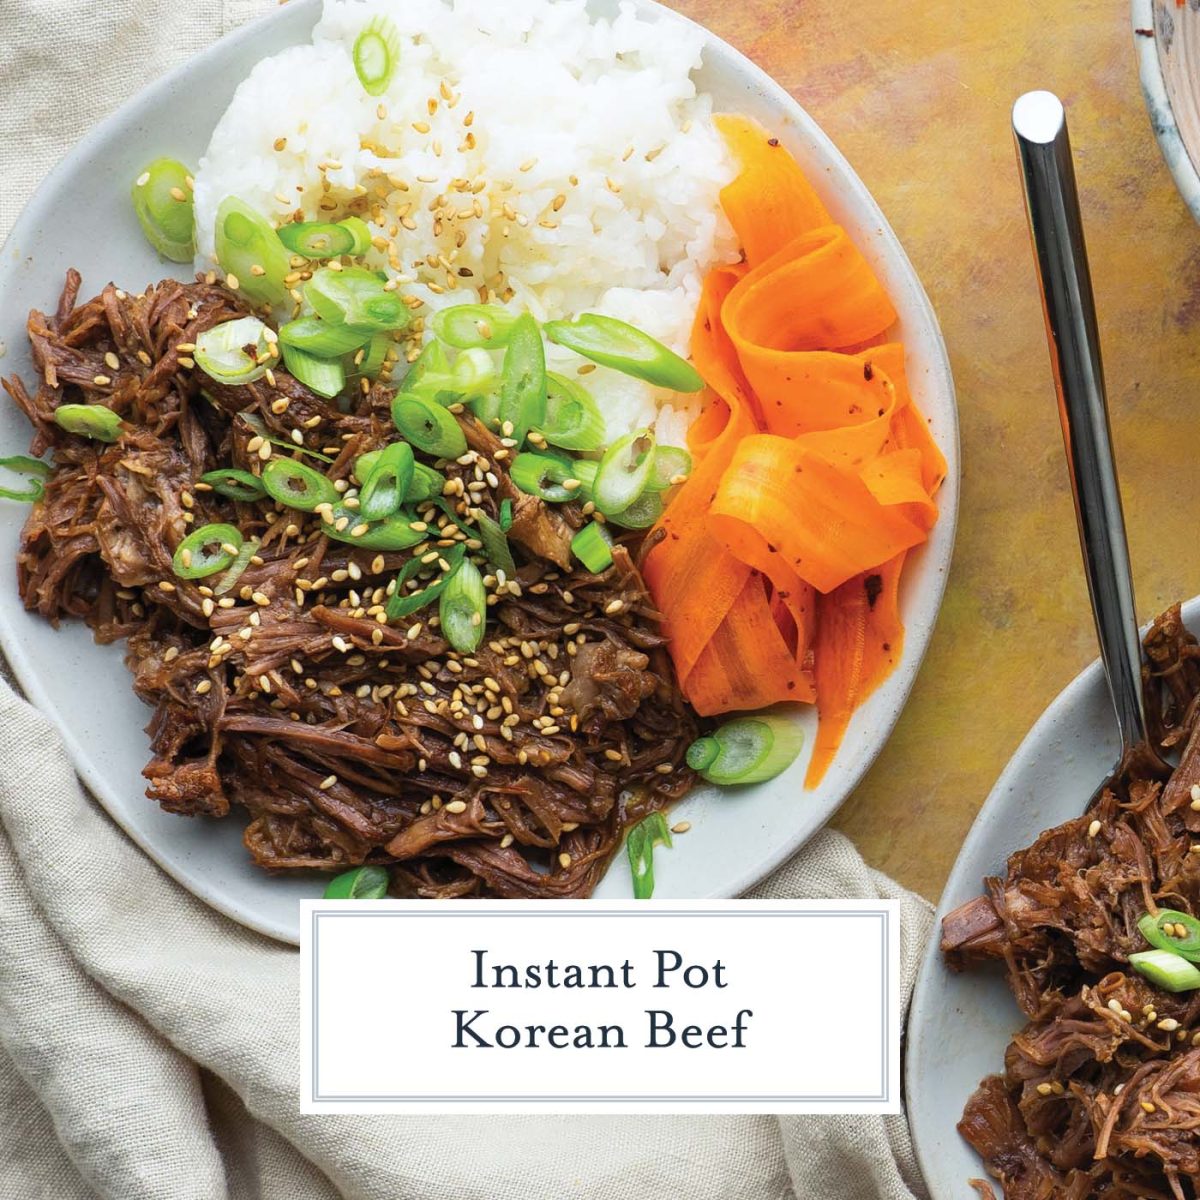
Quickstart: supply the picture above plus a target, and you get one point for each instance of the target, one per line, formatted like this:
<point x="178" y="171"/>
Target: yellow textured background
<point x="917" y="95"/>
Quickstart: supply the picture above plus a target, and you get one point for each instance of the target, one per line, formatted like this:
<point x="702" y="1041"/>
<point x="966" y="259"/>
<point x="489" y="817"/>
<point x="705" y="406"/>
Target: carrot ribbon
<point x="777" y="566"/>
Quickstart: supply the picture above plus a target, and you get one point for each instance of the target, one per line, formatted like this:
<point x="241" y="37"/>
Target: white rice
<point x="546" y="107"/>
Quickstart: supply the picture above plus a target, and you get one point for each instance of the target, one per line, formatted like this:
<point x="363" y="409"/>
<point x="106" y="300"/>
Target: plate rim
<point x="939" y="548"/>
<point x="1159" y="109"/>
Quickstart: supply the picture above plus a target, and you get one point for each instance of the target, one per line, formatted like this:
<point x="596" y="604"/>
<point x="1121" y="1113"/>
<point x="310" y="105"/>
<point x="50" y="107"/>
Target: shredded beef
<point x="1100" y="1095"/>
<point x="510" y="772"/>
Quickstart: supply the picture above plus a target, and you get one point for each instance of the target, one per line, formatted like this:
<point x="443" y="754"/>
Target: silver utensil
<point x="1052" y="205"/>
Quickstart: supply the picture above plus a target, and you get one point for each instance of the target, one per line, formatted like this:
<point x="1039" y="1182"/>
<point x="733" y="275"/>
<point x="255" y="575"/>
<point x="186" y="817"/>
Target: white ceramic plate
<point x="1166" y="38"/>
<point x="960" y="1023"/>
<point x="81" y="217"/>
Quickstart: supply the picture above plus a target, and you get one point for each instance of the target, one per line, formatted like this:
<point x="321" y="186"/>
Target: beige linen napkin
<point x="149" y="1046"/>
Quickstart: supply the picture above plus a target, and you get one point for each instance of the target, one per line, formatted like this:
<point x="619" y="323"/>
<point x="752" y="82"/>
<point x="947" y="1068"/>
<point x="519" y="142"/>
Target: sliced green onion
<point x="474" y="326"/>
<point x="235" y="352"/>
<point x="392" y="533"/>
<point x="754" y="749"/>
<point x="1166" y="970"/>
<point x="585" y="470"/>
<point x="323" y="338"/>
<point x="642" y="513"/>
<point x="523" y="379"/>
<point x="649" y="832"/>
<point x="373" y="357"/>
<point x="387" y="485"/>
<point x="495" y="545"/>
<point x="430" y="376"/>
<point x="316" y="239"/>
<point x="363" y="883"/>
<point x="162" y="200"/>
<point x="360" y="231"/>
<point x="1163" y="932"/>
<point x="613" y="343"/>
<point x="237" y="567"/>
<point x="542" y="475"/>
<point x="404" y="604"/>
<point x="323" y="376"/>
<point x="89" y="420"/>
<point x="34" y="470"/>
<point x="429" y="426"/>
<point x="702" y="753"/>
<point x="462" y="608"/>
<point x="487" y="409"/>
<point x="624" y="471"/>
<point x="409" y="571"/>
<point x="592" y="545"/>
<point x="426" y="483"/>
<point x="376" y="55"/>
<point x="364" y="464"/>
<point x="573" y="421"/>
<point x="245" y="239"/>
<point x="474" y="374"/>
<point x="235" y="484"/>
<point x="506" y="515"/>
<point x="355" y="297"/>
<point x="670" y="463"/>
<point x="207" y="550"/>
<point x="444" y="504"/>
<point x="296" y="485"/>
<point x="256" y="423"/>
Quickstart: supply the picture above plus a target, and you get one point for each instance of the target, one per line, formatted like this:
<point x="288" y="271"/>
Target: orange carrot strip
<point x="747" y="664"/>
<point x="896" y="478"/>
<point x="910" y="430"/>
<point x="821" y="521"/>
<point x="859" y="642"/>
<point x="770" y="202"/>
<point x="817" y="293"/>
<point x="694" y="580"/>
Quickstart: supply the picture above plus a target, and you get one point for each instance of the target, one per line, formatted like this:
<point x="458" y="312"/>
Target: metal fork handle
<point x="1052" y="205"/>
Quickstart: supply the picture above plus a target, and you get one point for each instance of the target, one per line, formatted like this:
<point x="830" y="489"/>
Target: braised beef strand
<point x="511" y="772"/>
<point x="1100" y="1096"/>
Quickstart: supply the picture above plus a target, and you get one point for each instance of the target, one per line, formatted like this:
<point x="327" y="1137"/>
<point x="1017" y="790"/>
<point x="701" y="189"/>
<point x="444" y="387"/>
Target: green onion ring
<point x="195" y="558"/>
<point x="34" y="470"/>
<point x="297" y="485"/>
<point x="89" y="420"/>
<point x="387" y="485"/>
<point x="462" y="608"/>
<point x="235" y="484"/>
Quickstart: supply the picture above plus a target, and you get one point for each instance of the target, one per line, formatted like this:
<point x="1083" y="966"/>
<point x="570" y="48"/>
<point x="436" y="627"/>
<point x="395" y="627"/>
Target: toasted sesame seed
<point x="1168" y="1025"/>
<point x="1093" y="829"/>
<point x="207" y="607"/>
<point x="327" y="782"/>
<point x="204" y="687"/>
<point x="101" y="380"/>
<point x="455" y="806"/>
<point x="681" y="827"/>
<point x="1044" y="1089"/>
<point x="614" y="606"/>
<point x="564" y="860"/>
<point x="1147" y="1107"/>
